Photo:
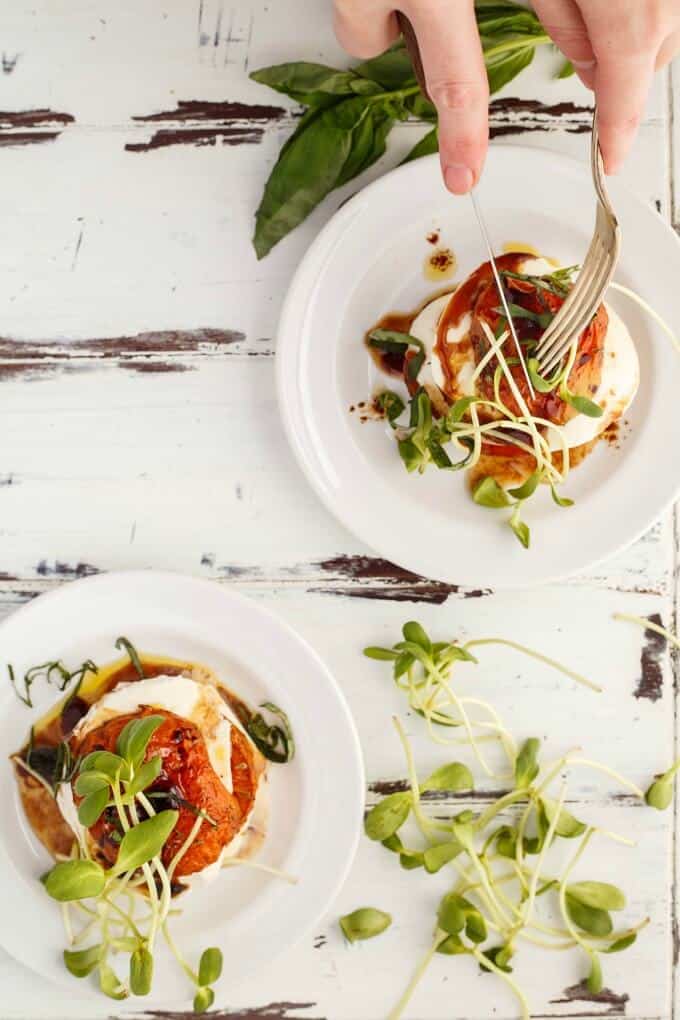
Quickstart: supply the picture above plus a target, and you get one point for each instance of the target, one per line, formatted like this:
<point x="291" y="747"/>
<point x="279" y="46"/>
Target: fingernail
<point x="459" y="178"/>
<point x="584" y="65"/>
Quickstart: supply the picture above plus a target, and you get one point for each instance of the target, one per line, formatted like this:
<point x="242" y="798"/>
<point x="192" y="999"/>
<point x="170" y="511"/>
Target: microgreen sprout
<point x="115" y="782"/>
<point x="501" y="873"/>
<point x="364" y="923"/>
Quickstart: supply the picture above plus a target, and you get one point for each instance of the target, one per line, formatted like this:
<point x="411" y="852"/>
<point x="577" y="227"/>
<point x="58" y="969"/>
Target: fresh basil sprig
<point x="350" y="113"/>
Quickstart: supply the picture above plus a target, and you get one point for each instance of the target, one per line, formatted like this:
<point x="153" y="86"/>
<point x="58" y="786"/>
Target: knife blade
<point x="494" y="269"/>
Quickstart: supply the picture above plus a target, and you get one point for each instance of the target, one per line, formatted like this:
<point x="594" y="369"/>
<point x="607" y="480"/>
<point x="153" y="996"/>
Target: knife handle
<point x="408" y="32"/>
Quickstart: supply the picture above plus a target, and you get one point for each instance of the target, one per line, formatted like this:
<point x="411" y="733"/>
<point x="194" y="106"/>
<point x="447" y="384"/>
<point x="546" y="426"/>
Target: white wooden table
<point x="140" y="429"/>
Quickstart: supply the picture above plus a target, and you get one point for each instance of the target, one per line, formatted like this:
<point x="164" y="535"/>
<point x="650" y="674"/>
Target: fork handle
<point x="411" y="40"/>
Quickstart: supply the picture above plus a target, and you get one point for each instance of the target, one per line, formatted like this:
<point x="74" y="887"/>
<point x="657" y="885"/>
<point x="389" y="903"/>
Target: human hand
<point x="614" y="46"/>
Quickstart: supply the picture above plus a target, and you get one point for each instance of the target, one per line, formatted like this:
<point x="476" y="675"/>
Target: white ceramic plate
<point x="369" y="261"/>
<point x="316" y="801"/>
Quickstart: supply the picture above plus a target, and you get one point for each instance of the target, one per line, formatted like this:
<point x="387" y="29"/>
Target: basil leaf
<point x="487" y="492"/>
<point x="141" y="971"/>
<point x="135" y="736"/>
<point x="145" y="841"/>
<point x="413" y="458"/>
<point x="387" y="816"/>
<point x="210" y="966"/>
<point x="314" y="84"/>
<point x="600" y="895"/>
<point x="314" y="163"/>
<point x="542" y="319"/>
<point x="92" y="807"/>
<point x="75" y="880"/>
<point x="365" y="923"/>
<point x="427" y="145"/>
<point x="589" y="919"/>
<point x="526" y="765"/>
<point x="392" y="69"/>
<point x="453" y="778"/>
<point x="81" y="962"/>
<point x="458" y="409"/>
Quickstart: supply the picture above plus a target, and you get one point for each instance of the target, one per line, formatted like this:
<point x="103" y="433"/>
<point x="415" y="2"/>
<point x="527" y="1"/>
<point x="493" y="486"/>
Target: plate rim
<point x="84" y="991"/>
<point x="287" y="348"/>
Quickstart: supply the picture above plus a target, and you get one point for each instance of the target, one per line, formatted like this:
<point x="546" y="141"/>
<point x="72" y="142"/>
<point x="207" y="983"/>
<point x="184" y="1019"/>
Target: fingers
<point x="564" y="24"/>
<point x="456" y="79"/>
<point x="625" y="49"/>
<point x="364" y="27"/>
<point x="669" y="49"/>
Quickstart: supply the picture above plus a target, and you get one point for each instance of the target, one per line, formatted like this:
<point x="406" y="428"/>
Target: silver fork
<point x="596" y="272"/>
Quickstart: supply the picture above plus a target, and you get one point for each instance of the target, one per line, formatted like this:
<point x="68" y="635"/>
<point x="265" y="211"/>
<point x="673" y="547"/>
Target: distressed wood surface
<point x="140" y="429"/>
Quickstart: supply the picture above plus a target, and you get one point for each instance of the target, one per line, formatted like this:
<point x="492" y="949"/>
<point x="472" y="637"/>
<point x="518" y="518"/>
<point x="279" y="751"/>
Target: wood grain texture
<point x="140" y="429"/>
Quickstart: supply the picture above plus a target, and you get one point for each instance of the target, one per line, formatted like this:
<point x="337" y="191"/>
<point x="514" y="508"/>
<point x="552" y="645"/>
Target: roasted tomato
<point x="188" y="783"/>
<point x="478" y="296"/>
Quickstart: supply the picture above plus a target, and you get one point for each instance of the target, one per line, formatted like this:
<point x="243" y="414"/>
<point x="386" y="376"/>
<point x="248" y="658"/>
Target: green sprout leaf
<point x="110" y="983"/>
<point x="526" y="766"/>
<point x="145" y="841"/>
<point x="451" y="913"/>
<point x="487" y="492"/>
<point x="135" y="736"/>
<point x="599" y="895"/>
<point x="539" y="382"/>
<point x="381" y="654"/>
<point x="452" y="946"/>
<point x="435" y="857"/>
<point x="660" y="793"/>
<point x="81" y="962"/>
<point x="582" y="404"/>
<point x="589" y="919"/>
<point x="415" y="633"/>
<point x="453" y="777"/>
<point x="91" y="782"/>
<point x="562" y="501"/>
<point x="75" y="880"/>
<point x="112" y="765"/>
<point x="387" y="816"/>
<point x="519" y="528"/>
<point x="500" y="956"/>
<point x="620" y="944"/>
<point x="528" y="488"/>
<point x="567" y="826"/>
<point x="594" y="981"/>
<point x="364" y="923"/>
<point x="145" y="776"/>
<point x="210" y="966"/>
<point x="92" y="807"/>
<point x="203" y="1000"/>
<point x="141" y="971"/>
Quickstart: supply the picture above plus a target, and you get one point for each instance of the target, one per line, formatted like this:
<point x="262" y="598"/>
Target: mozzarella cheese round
<point x="620" y="367"/>
<point x="199" y="703"/>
